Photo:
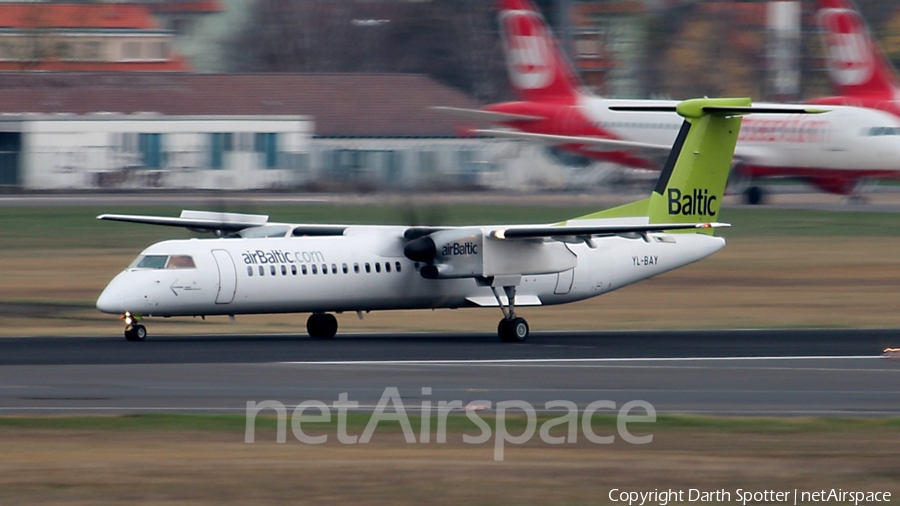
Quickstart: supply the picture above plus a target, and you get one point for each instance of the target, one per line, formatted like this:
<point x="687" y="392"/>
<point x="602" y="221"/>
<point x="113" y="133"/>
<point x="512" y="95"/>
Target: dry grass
<point x="753" y="282"/>
<point x="186" y="468"/>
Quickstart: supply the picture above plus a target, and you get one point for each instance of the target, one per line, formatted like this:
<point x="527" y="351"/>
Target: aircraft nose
<point x="111" y="300"/>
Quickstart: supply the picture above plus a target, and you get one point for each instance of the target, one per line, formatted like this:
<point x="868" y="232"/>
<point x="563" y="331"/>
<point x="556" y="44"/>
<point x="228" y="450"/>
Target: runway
<point x="749" y="372"/>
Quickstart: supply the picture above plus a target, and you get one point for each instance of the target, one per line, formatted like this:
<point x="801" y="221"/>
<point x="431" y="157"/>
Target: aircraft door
<point x="227" y="276"/>
<point x="564" y="282"/>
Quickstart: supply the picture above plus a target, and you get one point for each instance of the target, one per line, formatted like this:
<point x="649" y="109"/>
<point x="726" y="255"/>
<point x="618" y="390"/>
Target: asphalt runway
<point x="749" y="372"/>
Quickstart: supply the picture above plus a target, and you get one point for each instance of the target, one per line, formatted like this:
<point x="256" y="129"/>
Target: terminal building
<point x="236" y="131"/>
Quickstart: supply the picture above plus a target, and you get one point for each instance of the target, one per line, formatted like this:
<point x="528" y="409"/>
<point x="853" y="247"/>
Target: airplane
<point x="257" y="267"/>
<point x="857" y="67"/>
<point x="834" y="152"/>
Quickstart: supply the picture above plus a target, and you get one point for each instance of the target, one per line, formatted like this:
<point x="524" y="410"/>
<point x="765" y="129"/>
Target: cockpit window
<point x="151" y="262"/>
<point x="881" y="131"/>
<point x="180" y="262"/>
<point x="163" y="262"/>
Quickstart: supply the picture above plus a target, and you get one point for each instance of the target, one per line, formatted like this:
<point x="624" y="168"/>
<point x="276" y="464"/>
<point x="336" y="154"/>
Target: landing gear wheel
<point x="135" y="333"/>
<point x="513" y="331"/>
<point x="754" y="195"/>
<point x="321" y="325"/>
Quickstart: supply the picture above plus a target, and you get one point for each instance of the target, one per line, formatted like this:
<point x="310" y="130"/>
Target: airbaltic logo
<point x="277" y="256"/>
<point x="849" y="58"/>
<point x="469" y="248"/>
<point x="529" y="57"/>
<point x="698" y="203"/>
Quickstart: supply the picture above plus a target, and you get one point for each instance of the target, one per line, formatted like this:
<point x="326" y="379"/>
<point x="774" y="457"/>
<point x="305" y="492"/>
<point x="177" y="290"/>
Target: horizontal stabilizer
<point x="723" y="110"/>
<point x="478" y="114"/>
<point x="596" y="143"/>
<point x="595" y="231"/>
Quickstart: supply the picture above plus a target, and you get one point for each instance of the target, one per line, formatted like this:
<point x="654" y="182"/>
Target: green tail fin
<point x="692" y="182"/>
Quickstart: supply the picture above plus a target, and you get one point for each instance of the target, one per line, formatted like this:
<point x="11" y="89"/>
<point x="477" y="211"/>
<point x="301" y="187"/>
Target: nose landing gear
<point x="135" y="332"/>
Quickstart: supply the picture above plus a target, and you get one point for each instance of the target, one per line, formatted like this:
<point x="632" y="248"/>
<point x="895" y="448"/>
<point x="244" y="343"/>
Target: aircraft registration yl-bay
<point x="257" y="267"/>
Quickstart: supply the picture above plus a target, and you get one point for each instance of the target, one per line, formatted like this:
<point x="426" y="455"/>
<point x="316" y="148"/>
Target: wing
<point x="202" y="221"/>
<point x="592" y="143"/>
<point x="563" y="232"/>
<point x="482" y="115"/>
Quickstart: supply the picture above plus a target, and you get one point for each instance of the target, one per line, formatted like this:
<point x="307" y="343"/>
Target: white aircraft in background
<point x="834" y="152"/>
<point x="266" y="267"/>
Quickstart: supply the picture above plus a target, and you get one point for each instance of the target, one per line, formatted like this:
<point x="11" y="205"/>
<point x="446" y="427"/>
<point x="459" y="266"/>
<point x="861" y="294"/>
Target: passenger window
<point x="250" y="271"/>
<point x="293" y="270"/>
<point x="397" y="266"/>
<point x="284" y="270"/>
<point x="377" y="266"/>
<point x="303" y="269"/>
<point x="180" y="262"/>
<point x="314" y="270"/>
<point x="387" y="267"/>
<point x="344" y="268"/>
<point x="333" y="269"/>
<point x="368" y="268"/>
<point x="262" y="272"/>
<point x="272" y="269"/>
<point x="356" y="268"/>
<point x="324" y="269"/>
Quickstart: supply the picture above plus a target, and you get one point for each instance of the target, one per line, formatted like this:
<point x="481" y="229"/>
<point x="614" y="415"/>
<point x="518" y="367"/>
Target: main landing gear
<point x="511" y="328"/>
<point x="321" y="325"/>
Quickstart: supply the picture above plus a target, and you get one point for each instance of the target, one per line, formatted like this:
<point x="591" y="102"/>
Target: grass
<point x="26" y="228"/>
<point x="199" y="459"/>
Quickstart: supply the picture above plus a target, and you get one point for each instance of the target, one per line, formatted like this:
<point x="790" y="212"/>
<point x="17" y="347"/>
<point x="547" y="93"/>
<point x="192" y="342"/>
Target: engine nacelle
<point x="467" y="253"/>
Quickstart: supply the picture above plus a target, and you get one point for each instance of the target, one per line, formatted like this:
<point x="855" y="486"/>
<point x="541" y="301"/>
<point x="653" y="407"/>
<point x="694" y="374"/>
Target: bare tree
<point x="453" y="41"/>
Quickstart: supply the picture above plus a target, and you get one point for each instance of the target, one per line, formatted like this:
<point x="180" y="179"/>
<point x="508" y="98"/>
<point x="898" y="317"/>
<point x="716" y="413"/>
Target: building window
<point x="151" y="150"/>
<point x="218" y="145"/>
<point x="267" y="145"/>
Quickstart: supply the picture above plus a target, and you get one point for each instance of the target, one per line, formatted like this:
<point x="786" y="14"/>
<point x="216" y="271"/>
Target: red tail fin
<point x="856" y="64"/>
<point x="537" y="68"/>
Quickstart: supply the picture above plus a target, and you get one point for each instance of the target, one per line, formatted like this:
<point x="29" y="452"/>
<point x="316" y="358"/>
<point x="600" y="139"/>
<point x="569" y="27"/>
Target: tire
<point x="135" y="333"/>
<point x="504" y="330"/>
<point x="321" y="326"/>
<point x="513" y="331"/>
<point x="518" y="330"/>
<point x="754" y="195"/>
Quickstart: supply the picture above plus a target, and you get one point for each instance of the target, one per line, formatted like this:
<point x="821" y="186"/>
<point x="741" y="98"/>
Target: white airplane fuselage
<point x="844" y="142"/>
<point x="365" y="269"/>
